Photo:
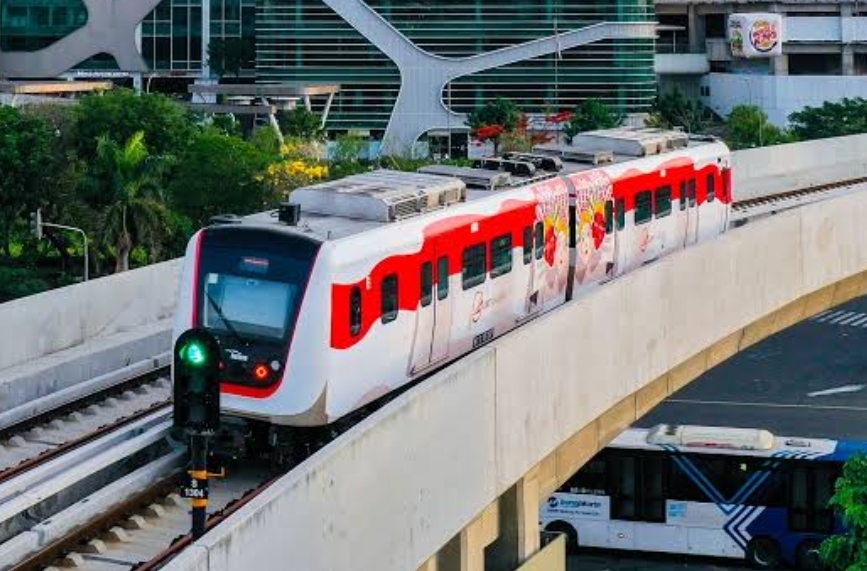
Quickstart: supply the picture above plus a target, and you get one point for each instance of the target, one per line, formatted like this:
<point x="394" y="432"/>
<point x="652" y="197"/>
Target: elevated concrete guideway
<point x="462" y="461"/>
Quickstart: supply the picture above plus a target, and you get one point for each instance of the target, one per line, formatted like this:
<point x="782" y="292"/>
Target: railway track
<point x="147" y="530"/>
<point x="58" y="431"/>
<point x="744" y="210"/>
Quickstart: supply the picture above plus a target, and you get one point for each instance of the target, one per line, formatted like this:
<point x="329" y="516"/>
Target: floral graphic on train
<point x="595" y="254"/>
<point x="552" y="209"/>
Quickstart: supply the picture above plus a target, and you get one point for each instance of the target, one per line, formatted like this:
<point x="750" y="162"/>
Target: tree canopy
<point x="120" y="114"/>
<point x="832" y="119"/>
<point x="217" y="174"/>
<point x="493" y="119"/>
<point x="848" y="552"/>
<point x="748" y="127"/>
<point x="590" y="115"/>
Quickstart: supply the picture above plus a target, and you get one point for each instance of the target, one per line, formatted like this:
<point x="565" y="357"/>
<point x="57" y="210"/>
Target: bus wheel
<point x="763" y="553"/>
<point x="808" y="555"/>
<point x="565" y="528"/>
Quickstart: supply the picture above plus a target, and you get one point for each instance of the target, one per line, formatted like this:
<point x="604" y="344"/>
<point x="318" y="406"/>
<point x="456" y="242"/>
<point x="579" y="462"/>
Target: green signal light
<point x="194" y="354"/>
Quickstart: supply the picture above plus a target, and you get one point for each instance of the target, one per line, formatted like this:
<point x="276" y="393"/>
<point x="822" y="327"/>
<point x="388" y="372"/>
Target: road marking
<point x="770" y="405"/>
<point x="837" y="390"/>
<point x="841" y="317"/>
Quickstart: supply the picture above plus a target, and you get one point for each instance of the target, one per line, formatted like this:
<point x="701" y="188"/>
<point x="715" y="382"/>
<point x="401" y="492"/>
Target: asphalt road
<point x="769" y="385"/>
<point x="772" y="385"/>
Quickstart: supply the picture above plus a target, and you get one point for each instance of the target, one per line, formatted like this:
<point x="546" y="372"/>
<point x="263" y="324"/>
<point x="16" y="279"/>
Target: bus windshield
<point x="237" y="303"/>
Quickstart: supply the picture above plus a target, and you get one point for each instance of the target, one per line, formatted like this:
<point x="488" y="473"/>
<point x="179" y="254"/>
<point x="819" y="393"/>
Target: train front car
<point x="250" y="285"/>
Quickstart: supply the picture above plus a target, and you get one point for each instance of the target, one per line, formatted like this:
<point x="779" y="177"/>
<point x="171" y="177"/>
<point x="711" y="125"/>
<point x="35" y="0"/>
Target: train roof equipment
<point x="361" y="202"/>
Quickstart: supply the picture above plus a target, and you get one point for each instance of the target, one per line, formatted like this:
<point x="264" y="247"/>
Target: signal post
<point x="197" y="357"/>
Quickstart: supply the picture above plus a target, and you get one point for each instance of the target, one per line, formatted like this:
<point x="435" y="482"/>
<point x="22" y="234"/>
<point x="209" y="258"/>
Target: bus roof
<point x="731" y="440"/>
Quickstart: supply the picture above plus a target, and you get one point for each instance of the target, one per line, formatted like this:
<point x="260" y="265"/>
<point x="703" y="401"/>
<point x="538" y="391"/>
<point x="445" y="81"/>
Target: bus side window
<point x="609" y="217"/>
<point x="682" y="200"/>
<point x="426" y="284"/>
<point x="355" y="311"/>
<point x="690" y="191"/>
<point x="622" y="487"/>
<point x="711" y="188"/>
<point x="590" y="479"/>
<point x="653" y="488"/>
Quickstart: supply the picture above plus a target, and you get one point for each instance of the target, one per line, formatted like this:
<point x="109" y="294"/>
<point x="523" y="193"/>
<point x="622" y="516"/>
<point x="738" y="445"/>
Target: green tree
<point x="302" y="124"/>
<point x="748" y="127"/>
<point x="135" y="214"/>
<point x="676" y="110"/>
<point x="218" y="174"/>
<point x="591" y="114"/>
<point x="832" y="119"/>
<point x="493" y="119"/>
<point x="28" y="167"/>
<point x="230" y="56"/>
<point x="120" y="114"/>
<point x="848" y="552"/>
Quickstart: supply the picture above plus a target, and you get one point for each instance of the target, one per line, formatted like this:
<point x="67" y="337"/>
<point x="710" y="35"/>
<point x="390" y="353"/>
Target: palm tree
<point x="136" y="212"/>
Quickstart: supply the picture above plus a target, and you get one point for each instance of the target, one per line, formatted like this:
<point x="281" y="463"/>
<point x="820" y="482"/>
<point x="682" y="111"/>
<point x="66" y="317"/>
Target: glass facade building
<point x="305" y="41"/>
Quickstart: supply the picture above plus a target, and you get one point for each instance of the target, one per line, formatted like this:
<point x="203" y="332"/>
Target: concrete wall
<point x="778" y="95"/>
<point x="44" y="324"/>
<point x="770" y="170"/>
<point x="393" y="490"/>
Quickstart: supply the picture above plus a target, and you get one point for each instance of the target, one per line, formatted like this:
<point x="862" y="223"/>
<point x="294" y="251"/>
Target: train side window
<point x="609" y="217"/>
<point x="426" y="284"/>
<point x="643" y="207"/>
<point x="540" y="240"/>
<point x="711" y="188"/>
<point x="501" y="255"/>
<point x="663" y="201"/>
<point x="355" y="311"/>
<point x="528" y="245"/>
<point x="690" y="191"/>
<point x="388" y="289"/>
<point x="620" y="210"/>
<point x="475" y="266"/>
<point x="442" y="278"/>
<point x="682" y="200"/>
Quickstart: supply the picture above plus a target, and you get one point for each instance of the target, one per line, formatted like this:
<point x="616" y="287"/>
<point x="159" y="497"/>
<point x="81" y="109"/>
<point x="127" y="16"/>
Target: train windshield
<point x="237" y="305"/>
<point x="252" y="282"/>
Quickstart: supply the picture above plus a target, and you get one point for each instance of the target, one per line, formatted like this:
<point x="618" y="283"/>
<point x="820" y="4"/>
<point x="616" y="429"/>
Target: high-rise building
<point x="407" y="68"/>
<point x="820" y="55"/>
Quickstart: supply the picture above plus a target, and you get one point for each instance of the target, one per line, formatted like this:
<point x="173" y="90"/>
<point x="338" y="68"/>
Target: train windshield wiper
<point x="228" y="323"/>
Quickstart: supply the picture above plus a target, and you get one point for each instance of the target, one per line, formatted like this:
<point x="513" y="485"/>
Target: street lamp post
<point x="37" y="224"/>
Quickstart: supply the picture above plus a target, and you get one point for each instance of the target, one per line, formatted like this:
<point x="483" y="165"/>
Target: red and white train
<point x="366" y="283"/>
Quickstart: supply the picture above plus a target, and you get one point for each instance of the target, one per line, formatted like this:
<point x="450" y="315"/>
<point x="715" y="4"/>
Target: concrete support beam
<point x="466" y="551"/>
<point x="696" y="30"/>
<point x="781" y="65"/>
<point x="848" y="61"/>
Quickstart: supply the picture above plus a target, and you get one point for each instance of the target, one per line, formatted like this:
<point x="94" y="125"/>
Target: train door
<point x="434" y="315"/>
<point x="691" y="214"/>
<point x="442" y="302"/>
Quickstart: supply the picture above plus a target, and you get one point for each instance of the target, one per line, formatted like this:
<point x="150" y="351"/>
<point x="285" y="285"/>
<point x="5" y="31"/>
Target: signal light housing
<point x="196" y="365"/>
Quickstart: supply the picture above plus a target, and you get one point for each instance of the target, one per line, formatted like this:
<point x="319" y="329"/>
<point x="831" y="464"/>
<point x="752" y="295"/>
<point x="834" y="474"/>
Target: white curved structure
<point x="419" y="107"/>
<point x="111" y="28"/>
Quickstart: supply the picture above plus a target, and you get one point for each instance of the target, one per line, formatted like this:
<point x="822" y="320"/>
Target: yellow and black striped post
<point x="199" y="481"/>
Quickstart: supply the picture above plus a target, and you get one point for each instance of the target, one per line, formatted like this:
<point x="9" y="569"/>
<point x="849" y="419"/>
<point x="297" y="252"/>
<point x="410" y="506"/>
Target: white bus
<point x="697" y="490"/>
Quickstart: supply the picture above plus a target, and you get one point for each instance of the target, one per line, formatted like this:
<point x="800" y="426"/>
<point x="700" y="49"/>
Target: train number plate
<point x="483" y="338"/>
